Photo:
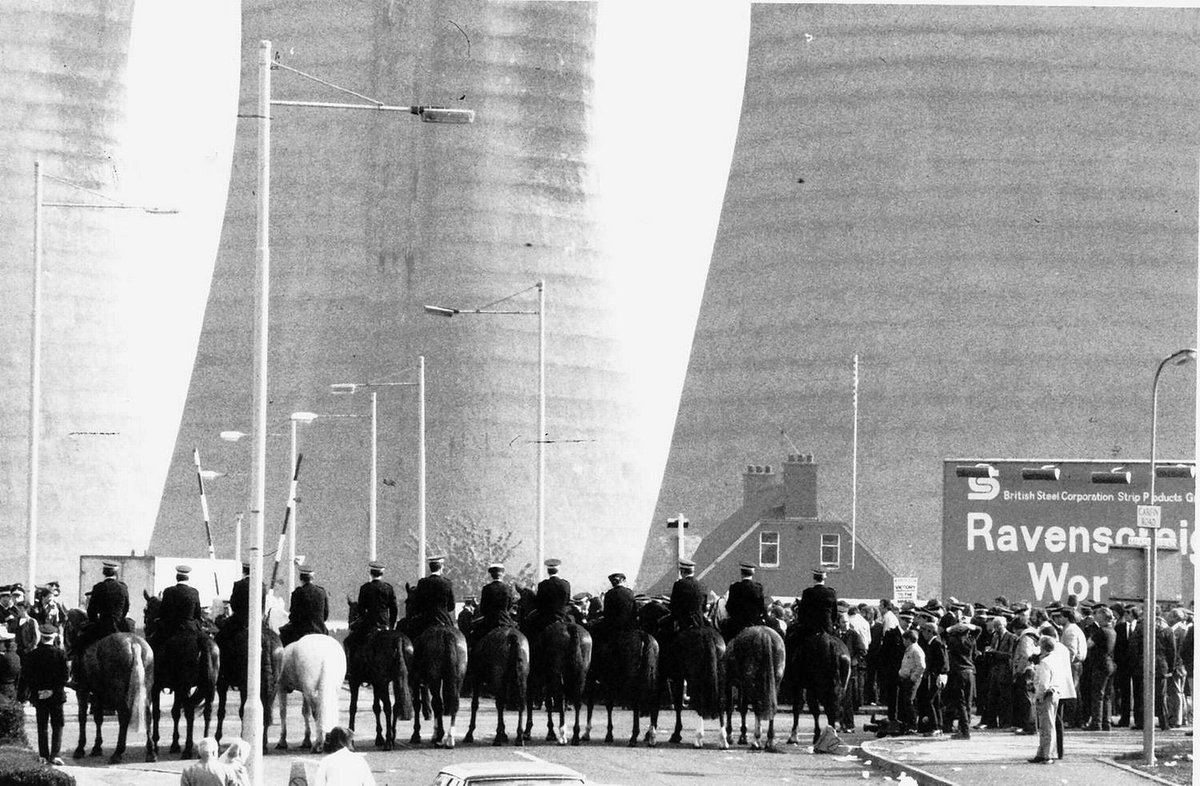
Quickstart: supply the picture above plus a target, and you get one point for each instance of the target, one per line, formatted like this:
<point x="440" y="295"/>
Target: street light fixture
<point x="1177" y="358"/>
<point x="350" y="388"/>
<point x="980" y="470"/>
<point x="1045" y="472"/>
<point x="35" y="355"/>
<point x="447" y="311"/>
<point x="254" y="709"/>
<point x="1118" y="476"/>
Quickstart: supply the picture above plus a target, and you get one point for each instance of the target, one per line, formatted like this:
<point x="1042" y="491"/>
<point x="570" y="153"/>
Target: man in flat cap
<point x="376" y="608"/>
<point x="433" y="599"/>
<point x="745" y="603"/>
<point x="43" y="679"/>
<point x="308" y="611"/>
<point x="179" y="611"/>
<point x="818" y="606"/>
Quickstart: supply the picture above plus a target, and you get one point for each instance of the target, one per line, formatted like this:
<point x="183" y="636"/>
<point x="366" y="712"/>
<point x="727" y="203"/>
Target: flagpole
<point x="854" y="474"/>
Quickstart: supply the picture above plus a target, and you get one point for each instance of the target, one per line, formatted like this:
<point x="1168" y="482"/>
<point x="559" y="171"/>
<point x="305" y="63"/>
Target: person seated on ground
<point x="342" y="766"/>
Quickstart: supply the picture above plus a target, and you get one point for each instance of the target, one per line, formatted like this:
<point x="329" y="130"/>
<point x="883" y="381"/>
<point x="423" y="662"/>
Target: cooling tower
<point x="375" y="215"/>
<point x="995" y="208"/>
<point x="136" y="104"/>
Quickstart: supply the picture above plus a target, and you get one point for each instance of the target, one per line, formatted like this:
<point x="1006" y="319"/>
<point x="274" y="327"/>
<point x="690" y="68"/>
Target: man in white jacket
<point x="1052" y="682"/>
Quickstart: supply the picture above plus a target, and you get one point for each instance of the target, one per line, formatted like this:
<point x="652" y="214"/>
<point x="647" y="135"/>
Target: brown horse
<point x="558" y="675"/>
<point x="697" y="658"/>
<point x="383" y="661"/>
<point x="819" y="665"/>
<point x="232" y="674"/>
<point x="188" y="665"/>
<point x="625" y="671"/>
<point x="754" y="665"/>
<point x="115" y="674"/>
<point x="500" y="662"/>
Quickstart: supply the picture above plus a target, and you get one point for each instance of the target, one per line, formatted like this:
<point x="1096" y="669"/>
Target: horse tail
<point x="647" y="681"/>
<point x="135" y="694"/>
<point x="404" y="697"/>
<point x="709" y="705"/>
<point x="329" y="683"/>
<point x="451" y="679"/>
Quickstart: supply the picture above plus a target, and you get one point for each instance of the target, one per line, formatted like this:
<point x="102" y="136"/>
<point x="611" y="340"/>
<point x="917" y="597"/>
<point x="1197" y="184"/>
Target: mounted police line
<point x="525" y="647"/>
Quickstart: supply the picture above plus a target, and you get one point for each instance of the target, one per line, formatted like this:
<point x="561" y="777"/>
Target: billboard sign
<point x="1018" y="528"/>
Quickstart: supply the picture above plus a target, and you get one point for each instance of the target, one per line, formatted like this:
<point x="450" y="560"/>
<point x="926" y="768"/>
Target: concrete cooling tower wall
<point x="137" y="104"/>
<point x="995" y="208"/>
<point x="373" y="216"/>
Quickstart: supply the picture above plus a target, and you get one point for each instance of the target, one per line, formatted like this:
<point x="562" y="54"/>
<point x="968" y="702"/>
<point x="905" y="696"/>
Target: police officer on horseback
<point x="433" y="599"/>
<point x="745" y="604"/>
<point x="238" y="620"/>
<point x="309" y="609"/>
<point x="818" y="609"/>
<point x="688" y="598"/>
<point x="107" y="612"/>
<point x="551" y="602"/>
<point x="496" y="600"/>
<point x="376" y="607"/>
<point x="620" y="611"/>
<point x="179" y="611"/>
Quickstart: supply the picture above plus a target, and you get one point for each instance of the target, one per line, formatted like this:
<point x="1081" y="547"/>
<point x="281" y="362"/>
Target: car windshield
<point x="532" y="780"/>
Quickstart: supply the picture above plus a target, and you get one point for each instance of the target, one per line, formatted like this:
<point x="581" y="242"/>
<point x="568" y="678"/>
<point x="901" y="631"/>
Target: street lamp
<point x="35" y="355"/>
<point x="447" y="311"/>
<point x="1177" y="358"/>
<point x="350" y="388"/>
<point x="254" y="710"/>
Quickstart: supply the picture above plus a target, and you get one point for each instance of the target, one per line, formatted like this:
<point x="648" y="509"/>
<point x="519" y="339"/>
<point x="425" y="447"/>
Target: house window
<point x="831" y="551"/>
<point x="768" y="549"/>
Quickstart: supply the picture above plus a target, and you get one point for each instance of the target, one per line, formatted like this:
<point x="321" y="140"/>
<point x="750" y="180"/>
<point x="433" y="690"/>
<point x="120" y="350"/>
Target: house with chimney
<point x="779" y="529"/>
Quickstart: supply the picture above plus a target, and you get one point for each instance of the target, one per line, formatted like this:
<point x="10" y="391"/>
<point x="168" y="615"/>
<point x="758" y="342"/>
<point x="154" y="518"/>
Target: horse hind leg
<point x="176" y="710"/>
<point x="123" y="718"/>
<point x="81" y="750"/>
<point x="469" y="738"/>
<point x="98" y="738"/>
<point x="377" y="709"/>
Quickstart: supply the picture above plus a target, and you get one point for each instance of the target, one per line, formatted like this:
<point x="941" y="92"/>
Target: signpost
<point x="904" y="589"/>
<point x="679" y="524"/>
<point x="1149" y="516"/>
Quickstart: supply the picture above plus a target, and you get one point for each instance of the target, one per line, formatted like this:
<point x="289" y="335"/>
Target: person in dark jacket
<point x="688" y="598"/>
<point x="107" y="610"/>
<point x="1123" y="628"/>
<point x="10" y="664"/>
<point x="852" y="695"/>
<point x="496" y="600"/>
<point x="818" y="606"/>
<point x="619" y="611"/>
<point x="180" y="609"/>
<point x="433" y="599"/>
<point x="960" y="687"/>
<point x="937" y="671"/>
<point x="1100" y="666"/>
<point x="309" y="609"/>
<point x="376" y="608"/>
<point x="745" y="603"/>
<point x="43" y="679"/>
<point x="890" y="656"/>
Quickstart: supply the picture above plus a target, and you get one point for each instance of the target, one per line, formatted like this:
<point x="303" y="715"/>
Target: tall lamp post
<point x="1149" y="627"/>
<point x="447" y="311"/>
<point x="373" y="524"/>
<point x="35" y="355"/>
<point x="254" y="710"/>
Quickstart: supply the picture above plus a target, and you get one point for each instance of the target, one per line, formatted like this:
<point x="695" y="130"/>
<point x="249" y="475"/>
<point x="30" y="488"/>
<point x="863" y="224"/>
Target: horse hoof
<point x="115" y="758"/>
<point x="742" y="740"/>
<point x="609" y="737"/>
<point x="308" y="743"/>
<point x="317" y="749"/>
<point x="79" y="753"/>
<point x="96" y="752"/>
<point x="575" y="740"/>
<point x="151" y="756"/>
<point x="792" y="740"/>
<point x="174" y="748"/>
<point x="632" y="742"/>
<point x="469" y="738"/>
<point x="501" y="738"/>
<point x="753" y="746"/>
<point x="187" y="753"/>
<point x="379" y="740"/>
<point x="676" y="738"/>
<point x="281" y="745"/>
<point x="551" y="737"/>
<point x="587" y="736"/>
<point x="415" y="739"/>
<point x="651" y="739"/>
<point x="448" y="742"/>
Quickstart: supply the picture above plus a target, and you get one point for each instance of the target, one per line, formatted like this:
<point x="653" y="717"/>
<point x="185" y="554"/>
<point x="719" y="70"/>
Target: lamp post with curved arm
<point x="447" y="311"/>
<point x="1150" y="623"/>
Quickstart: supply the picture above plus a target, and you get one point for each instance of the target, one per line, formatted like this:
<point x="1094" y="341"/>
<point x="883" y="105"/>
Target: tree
<point x="471" y="546"/>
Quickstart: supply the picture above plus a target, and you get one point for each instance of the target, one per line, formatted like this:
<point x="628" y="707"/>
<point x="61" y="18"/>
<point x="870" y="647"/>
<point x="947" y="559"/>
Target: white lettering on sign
<point x="983" y="535"/>
<point x="1149" y="516"/>
<point x="1049" y="583"/>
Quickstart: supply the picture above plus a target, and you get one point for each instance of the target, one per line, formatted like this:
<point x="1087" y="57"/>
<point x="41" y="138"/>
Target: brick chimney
<point x="756" y="478"/>
<point x="800" y="487"/>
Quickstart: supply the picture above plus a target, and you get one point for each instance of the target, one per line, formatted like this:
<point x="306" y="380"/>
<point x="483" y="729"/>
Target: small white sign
<point x="904" y="589"/>
<point x="1149" y="516"/>
<point x="1138" y="542"/>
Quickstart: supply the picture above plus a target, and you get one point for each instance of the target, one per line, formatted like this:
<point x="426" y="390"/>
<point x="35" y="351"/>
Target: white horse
<point x="316" y="666"/>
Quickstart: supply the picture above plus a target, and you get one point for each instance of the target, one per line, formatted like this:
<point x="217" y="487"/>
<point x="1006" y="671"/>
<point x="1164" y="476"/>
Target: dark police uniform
<point x="42" y="681"/>
<point x="551" y="603"/>
<point x="745" y="604"/>
<point x="433" y="603"/>
<point x="496" y="599"/>
<point x="377" y="608"/>
<point x="620" y="609"/>
<point x="688" y="597"/>
<point x="309" y="610"/>
<point x="107" y="610"/>
<point x="180" y="610"/>
<point x="818" y="609"/>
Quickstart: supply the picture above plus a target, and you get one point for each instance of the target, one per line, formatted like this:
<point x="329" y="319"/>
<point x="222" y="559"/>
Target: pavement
<point x="1001" y="757"/>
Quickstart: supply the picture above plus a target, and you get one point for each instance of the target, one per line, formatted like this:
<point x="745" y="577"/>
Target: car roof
<point x="503" y="769"/>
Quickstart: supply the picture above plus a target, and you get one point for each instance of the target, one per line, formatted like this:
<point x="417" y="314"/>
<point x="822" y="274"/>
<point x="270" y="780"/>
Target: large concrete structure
<point x="374" y="216"/>
<point x="995" y="208"/>
<point x="135" y="102"/>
